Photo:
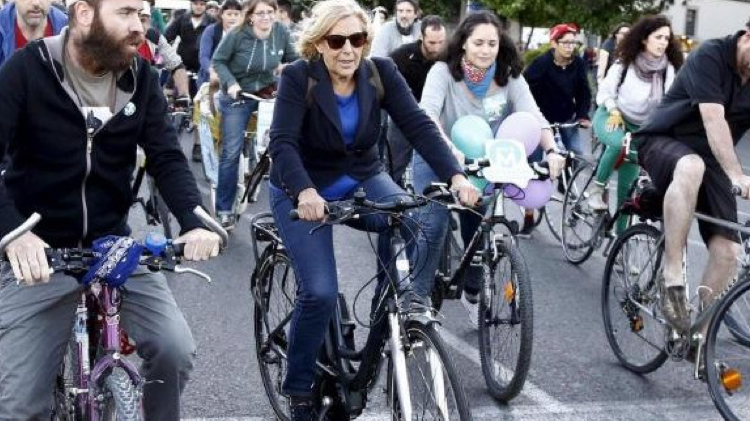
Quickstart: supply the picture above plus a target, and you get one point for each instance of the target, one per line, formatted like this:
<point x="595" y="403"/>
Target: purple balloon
<point x="534" y="196"/>
<point x="523" y="127"/>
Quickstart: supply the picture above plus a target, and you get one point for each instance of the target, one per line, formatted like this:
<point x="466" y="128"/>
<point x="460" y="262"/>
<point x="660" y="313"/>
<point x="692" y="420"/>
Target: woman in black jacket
<point x="324" y="147"/>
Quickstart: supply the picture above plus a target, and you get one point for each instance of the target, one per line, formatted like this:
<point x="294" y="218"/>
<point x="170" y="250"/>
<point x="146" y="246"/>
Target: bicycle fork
<point x="398" y="355"/>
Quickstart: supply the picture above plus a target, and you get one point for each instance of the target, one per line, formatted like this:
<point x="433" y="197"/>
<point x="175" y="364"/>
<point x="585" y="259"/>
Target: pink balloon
<point x="523" y="127"/>
<point x="534" y="196"/>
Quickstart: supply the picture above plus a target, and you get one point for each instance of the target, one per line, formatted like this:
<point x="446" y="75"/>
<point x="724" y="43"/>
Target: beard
<point x="102" y="52"/>
<point x="404" y="30"/>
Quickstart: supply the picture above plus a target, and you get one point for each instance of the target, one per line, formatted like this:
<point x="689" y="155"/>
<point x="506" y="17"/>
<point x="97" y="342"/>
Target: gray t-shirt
<point x="95" y="93"/>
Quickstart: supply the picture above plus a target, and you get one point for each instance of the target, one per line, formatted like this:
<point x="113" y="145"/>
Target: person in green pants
<point x="648" y="58"/>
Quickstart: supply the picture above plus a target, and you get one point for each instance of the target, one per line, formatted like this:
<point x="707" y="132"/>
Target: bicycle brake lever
<point x="181" y="269"/>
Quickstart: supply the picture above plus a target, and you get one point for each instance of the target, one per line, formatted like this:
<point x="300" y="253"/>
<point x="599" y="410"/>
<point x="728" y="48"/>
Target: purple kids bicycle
<point x="96" y="381"/>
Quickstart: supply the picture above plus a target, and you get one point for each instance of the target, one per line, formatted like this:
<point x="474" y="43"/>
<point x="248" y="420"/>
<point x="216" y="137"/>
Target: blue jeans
<point x="314" y="265"/>
<point x="235" y="116"/>
<point x="434" y="221"/>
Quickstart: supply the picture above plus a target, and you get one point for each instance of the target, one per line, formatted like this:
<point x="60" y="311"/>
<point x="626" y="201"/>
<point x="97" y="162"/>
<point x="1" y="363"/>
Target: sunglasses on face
<point x="337" y="42"/>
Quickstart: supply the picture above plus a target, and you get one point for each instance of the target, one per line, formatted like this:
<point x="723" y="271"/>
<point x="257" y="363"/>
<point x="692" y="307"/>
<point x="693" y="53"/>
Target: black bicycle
<point x="505" y="311"/>
<point x="153" y="205"/>
<point x="642" y="340"/>
<point x="422" y="383"/>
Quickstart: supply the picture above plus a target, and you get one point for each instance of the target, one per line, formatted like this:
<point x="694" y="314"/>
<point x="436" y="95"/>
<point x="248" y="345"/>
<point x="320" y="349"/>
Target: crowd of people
<point x="360" y="101"/>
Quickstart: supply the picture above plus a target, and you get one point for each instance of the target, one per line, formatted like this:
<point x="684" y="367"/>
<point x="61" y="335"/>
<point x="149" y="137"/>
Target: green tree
<point x="597" y="16"/>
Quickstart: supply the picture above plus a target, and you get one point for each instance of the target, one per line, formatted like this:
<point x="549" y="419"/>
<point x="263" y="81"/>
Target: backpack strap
<point x="625" y="72"/>
<point x="375" y="80"/>
<point x="622" y="75"/>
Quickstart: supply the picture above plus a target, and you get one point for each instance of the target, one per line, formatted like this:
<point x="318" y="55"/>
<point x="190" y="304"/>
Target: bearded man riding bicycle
<point x="74" y="109"/>
<point x="687" y="148"/>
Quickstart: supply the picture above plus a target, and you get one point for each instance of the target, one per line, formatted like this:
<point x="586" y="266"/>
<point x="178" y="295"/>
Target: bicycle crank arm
<point x="182" y="269"/>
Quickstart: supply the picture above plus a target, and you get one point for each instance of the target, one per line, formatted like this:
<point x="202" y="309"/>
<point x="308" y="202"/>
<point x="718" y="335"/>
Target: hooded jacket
<point x="249" y="61"/>
<point x="8" y="28"/>
<point x="74" y="172"/>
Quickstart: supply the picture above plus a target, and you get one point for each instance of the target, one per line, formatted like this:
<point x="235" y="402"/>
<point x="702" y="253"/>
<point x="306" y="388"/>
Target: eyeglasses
<point x="264" y="14"/>
<point x="337" y="42"/>
<point x="570" y="43"/>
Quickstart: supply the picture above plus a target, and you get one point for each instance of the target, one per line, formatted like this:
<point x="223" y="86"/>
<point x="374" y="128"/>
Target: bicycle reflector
<point x="731" y="379"/>
<point x="510" y="291"/>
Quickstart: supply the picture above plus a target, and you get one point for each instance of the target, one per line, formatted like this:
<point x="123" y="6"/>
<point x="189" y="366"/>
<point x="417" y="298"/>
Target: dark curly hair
<point x="632" y="44"/>
<point x="509" y="63"/>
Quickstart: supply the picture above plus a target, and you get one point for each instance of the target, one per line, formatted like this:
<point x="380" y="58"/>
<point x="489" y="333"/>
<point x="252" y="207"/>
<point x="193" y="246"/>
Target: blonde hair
<point x="325" y="15"/>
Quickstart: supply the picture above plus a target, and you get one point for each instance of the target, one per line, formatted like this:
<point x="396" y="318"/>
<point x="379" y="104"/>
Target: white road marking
<point x="530" y="390"/>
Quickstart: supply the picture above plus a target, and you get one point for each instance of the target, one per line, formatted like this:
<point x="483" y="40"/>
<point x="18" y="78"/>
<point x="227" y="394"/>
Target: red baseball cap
<point x="559" y="31"/>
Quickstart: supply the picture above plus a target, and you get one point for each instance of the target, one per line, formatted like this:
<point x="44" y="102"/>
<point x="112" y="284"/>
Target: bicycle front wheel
<point x="630" y="300"/>
<point x="506" y="323"/>
<point x="274" y="293"/>
<point x="727" y="359"/>
<point x="580" y="224"/>
<point x="435" y="388"/>
<point x="125" y="399"/>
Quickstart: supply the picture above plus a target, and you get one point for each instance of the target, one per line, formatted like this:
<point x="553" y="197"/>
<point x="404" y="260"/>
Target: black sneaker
<point x="227" y="221"/>
<point x="302" y="409"/>
<point x="197" y="155"/>
<point x="528" y="226"/>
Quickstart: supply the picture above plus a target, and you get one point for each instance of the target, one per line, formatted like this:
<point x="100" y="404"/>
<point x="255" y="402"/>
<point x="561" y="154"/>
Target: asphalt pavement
<point x="574" y="374"/>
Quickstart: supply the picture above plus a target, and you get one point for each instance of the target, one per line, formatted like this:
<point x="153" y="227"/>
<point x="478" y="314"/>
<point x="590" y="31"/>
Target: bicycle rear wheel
<point x="580" y="224"/>
<point x="435" y="388"/>
<point x="630" y="300"/>
<point x="506" y="323"/>
<point x="727" y="360"/>
<point x="274" y="293"/>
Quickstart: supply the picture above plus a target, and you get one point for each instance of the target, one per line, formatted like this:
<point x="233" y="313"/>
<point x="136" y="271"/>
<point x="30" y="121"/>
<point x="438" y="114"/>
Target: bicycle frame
<point x="495" y="215"/>
<point x="106" y="342"/>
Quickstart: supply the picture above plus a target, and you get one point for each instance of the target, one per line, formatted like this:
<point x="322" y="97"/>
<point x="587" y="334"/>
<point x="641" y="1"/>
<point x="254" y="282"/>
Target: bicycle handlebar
<point x="344" y="210"/>
<point x="35" y="218"/>
<point x="560" y="126"/>
<point x="257" y="98"/>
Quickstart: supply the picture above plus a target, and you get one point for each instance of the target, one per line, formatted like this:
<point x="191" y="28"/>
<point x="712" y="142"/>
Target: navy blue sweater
<point x="307" y="146"/>
<point x="561" y="93"/>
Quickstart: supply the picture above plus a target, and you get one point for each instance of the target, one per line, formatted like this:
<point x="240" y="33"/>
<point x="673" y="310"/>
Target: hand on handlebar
<point x="200" y="244"/>
<point x="743" y="182"/>
<point x="556" y="163"/>
<point x="28" y="259"/>
<point x="468" y="195"/>
<point x="614" y="121"/>
<point x="584" y="123"/>
<point x="310" y="206"/>
<point x="234" y="91"/>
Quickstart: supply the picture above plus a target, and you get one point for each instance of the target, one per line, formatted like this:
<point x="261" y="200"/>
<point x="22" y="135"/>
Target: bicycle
<point x="421" y="381"/>
<point x="153" y="205"/>
<point x="642" y="340"/>
<point x="584" y="229"/>
<point x="96" y="381"/>
<point x="552" y="212"/>
<point x="505" y="310"/>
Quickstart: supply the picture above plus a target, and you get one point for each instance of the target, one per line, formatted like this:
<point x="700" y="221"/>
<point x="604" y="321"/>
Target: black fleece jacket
<point x="81" y="183"/>
<point x="562" y="93"/>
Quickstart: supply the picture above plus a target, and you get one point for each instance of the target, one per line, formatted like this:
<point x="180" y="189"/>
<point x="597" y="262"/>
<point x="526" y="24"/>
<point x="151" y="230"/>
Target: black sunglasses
<point x="336" y="42"/>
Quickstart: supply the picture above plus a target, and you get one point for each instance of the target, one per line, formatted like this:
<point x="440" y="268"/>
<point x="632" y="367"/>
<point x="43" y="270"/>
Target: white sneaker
<point x="596" y="199"/>
<point x="473" y="310"/>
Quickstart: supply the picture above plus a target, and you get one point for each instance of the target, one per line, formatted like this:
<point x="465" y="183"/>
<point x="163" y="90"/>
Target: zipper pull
<point x="89" y="140"/>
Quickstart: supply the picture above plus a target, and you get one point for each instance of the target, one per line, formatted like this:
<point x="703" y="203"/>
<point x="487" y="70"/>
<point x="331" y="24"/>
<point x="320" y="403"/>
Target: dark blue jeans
<point x="317" y="284"/>
<point x="235" y="116"/>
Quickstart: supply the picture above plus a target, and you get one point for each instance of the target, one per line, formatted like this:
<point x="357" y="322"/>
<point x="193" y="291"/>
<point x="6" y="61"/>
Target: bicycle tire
<point x="728" y="404"/>
<point x="573" y="207"/>
<point x="634" y="320"/>
<point x="270" y="354"/>
<point x="65" y="408"/>
<point x="425" y="337"/>
<point x="739" y="332"/>
<point x="512" y="292"/>
<point x="125" y="402"/>
<point x="449" y="260"/>
<point x="555" y="204"/>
